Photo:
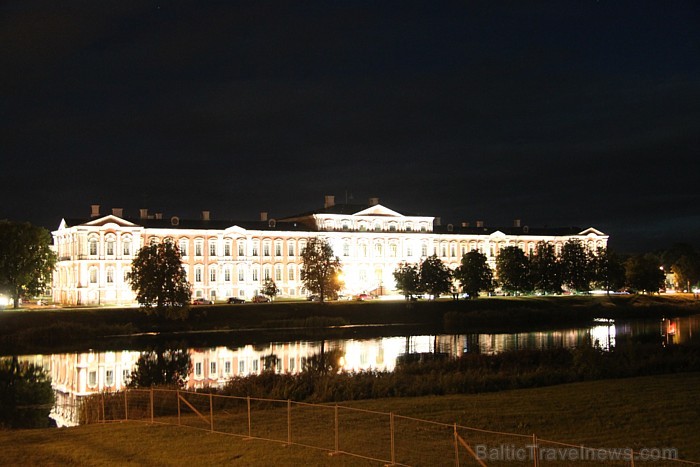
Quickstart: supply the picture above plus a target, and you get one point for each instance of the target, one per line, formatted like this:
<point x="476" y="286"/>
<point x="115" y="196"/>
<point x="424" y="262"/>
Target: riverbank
<point x="66" y="329"/>
<point x="645" y="412"/>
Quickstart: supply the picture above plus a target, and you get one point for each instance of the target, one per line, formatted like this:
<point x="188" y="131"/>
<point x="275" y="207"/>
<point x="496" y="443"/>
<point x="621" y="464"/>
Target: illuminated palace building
<point x="233" y="259"/>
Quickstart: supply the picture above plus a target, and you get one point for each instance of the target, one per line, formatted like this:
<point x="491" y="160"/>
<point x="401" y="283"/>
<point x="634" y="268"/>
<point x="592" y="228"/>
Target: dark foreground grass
<point x="55" y="330"/>
<point x="644" y="412"/>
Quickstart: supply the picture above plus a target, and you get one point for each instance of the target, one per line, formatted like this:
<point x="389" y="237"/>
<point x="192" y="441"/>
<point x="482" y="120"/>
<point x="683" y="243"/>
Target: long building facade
<point x="234" y="258"/>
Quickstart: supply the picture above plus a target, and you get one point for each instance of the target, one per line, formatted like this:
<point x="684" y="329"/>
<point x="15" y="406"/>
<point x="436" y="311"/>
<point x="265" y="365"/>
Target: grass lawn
<point x="644" y="412"/>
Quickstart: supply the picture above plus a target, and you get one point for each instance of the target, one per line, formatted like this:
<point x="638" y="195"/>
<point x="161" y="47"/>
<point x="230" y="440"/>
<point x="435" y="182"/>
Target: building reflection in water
<point x="77" y="375"/>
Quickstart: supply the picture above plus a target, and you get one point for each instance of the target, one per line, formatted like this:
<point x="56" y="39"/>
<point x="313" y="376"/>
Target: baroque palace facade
<point x="233" y="259"/>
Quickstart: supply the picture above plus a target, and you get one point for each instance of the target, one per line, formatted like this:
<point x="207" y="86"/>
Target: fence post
<point x="454" y="438"/>
<point x="391" y="429"/>
<point x="103" y="409"/>
<point x="289" y="422"/>
<point x="178" y="407"/>
<point x="337" y="433"/>
<point x="535" y="453"/>
<point x="211" y="410"/>
<point x="151" y="405"/>
<point x="249" y="429"/>
<point x="126" y="405"/>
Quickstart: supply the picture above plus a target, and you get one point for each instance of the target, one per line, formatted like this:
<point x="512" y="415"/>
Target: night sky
<point x="561" y="113"/>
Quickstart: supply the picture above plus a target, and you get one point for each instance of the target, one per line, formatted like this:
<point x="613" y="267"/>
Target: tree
<point x="161" y="367"/>
<point x="320" y="270"/>
<point x="687" y="271"/>
<point x="474" y="274"/>
<point x="26" y="396"/>
<point x="513" y="270"/>
<point x="643" y="273"/>
<point x="545" y="270"/>
<point x="407" y="278"/>
<point x="608" y="270"/>
<point x="159" y="280"/>
<point x="26" y="259"/>
<point x="270" y="289"/>
<point x="576" y="266"/>
<point x="435" y="277"/>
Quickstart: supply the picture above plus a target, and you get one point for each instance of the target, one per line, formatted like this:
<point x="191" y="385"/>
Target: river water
<point x="80" y="374"/>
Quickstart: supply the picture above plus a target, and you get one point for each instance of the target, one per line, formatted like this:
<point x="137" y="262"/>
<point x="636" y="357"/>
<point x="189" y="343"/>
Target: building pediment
<point x="378" y="210"/>
<point x="110" y="219"/>
<point x="497" y="234"/>
<point x="591" y="232"/>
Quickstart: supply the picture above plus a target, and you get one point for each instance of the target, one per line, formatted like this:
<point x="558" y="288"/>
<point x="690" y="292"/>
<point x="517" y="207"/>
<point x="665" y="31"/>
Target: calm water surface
<point x="77" y="375"/>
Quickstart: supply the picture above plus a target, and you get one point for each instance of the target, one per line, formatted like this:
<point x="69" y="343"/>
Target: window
<point x="227" y="275"/>
<point x="290" y="274"/>
<point x="346" y="249"/>
<point x="290" y="249"/>
<point x="378" y="249"/>
<point x="423" y="228"/>
<point x="241" y="275"/>
<point x="278" y="273"/>
<point x="126" y="248"/>
<point x="92" y="378"/>
<point x="255" y="365"/>
<point x="93" y="246"/>
<point x="453" y="251"/>
<point x="392" y="250"/>
<point x="212" y="249"/>
<point x="93" y="275"/>
<point x="443" y="251"/>
<point x="409" y="251"/>
<point x="241" y="367"/>
<point x="212" y="275"/>
<point x="266" y="249"/>
<point x="424" y="249"/>
<point x="363" y="249"/>
<point x="227" y="249"/>
<point x="109" y="377"/>
<point x="255" y="250"/>
<point x="227" y="367"/>
<point x="291" y="364"/>
<point x="198" y="274"/>
<point x="110" y="275"/>
<point x="241" y="249"/>
<point x="126" y="375"/>
<point x="278" y="249"/>
<point x="392" y="227"/>
<point x="346" y="225"/>
<point x="198" y="369"/>
<point x="212" y="368"/>
<point x="377" y="227"/>
<point x="255" y="274"/>
<point x="198" y="248"/>
<point x="266" y="274"/>
<point x="183" y="247"/>
<point x="409" y="227"/>
<point x="110" y="247"/>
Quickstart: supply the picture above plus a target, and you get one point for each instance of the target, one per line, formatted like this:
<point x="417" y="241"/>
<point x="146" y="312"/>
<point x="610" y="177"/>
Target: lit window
<point x="93" y="246"/>
<point x="183" y="247"/>
<point x="453" y="251"/>
<point x="278" y="249"/>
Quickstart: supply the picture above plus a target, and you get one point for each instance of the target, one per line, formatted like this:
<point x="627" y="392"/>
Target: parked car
<point x="314" y="298"/>
<point x="235" y="300"/>
<point x="202" y="301"/>
<point x="362" y="297"/>
<point x="260" y="299"/>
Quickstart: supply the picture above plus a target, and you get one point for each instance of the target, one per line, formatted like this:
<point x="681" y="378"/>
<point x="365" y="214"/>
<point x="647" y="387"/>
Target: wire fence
<point x="383" y="437"/>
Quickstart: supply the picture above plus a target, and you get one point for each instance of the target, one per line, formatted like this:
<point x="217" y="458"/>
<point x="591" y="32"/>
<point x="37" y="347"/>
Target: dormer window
<point x="346" y="225"/>
<point x="377" y="227"/>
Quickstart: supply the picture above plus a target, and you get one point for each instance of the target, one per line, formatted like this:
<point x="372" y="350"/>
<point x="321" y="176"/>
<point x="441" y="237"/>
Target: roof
<point x="200" y="224"/>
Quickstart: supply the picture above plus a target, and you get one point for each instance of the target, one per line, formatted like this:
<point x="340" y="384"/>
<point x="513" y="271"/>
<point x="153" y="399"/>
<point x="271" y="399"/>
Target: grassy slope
<point x="659" y="411"/>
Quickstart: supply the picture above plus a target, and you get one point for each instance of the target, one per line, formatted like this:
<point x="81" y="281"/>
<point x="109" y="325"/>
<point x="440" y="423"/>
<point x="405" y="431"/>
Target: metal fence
<point x="387" y="438"/>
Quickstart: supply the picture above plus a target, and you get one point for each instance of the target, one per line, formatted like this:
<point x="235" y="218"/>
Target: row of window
<point x="252" y="366"/>
<point x="377" y="226"/>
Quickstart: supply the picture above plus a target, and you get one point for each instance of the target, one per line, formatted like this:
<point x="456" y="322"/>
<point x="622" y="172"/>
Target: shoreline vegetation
<point x="69" y="329"/>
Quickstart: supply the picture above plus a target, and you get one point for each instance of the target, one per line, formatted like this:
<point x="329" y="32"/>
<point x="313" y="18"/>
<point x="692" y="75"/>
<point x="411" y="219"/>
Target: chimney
<point x="143" y="213"/>
<point x="329" y="201"/>
<point x="373" y="201"/>
<point x="119" y="212"/>
<point x="516" y="223"/>
<point x="95" y="210"/>
<point x="263" y="215"/>
<point x="465" y="224"/>
<point x="205" y="215"/>
<point x="159" y="215"/>
<point x="437" y="221"/>
<point x="480" y="224"/>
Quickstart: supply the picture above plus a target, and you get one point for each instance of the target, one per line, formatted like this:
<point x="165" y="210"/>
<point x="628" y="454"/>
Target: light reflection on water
<point x="77" y="375"/>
